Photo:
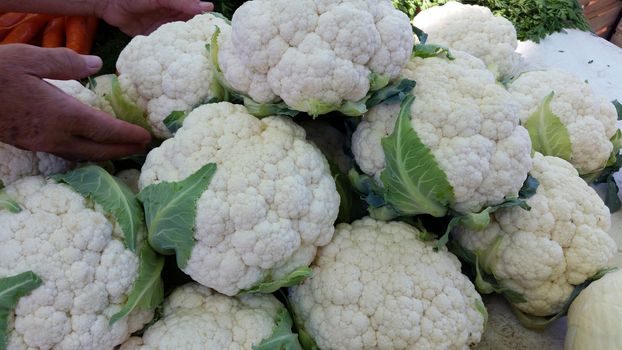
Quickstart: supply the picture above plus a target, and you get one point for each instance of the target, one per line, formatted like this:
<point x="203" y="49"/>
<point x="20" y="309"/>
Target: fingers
<point x="77" y="148"/>
<point x="100" y="127"/>
<point x="59" y="63"/>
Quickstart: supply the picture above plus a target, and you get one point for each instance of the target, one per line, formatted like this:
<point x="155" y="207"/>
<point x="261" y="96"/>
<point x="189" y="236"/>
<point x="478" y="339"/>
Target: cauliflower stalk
<point x="313" y="56"/>
<point x="473" y="29"/>
<point x="566" y="119"/>
<point x="377" y="286"/>
<point x="195" y="317"/>
<point x="454" y="144"/>
<point x="166" y="71"/>
<point x="73" y="271"/>
<point x="537" y="257"/>
<point x="242" y="202"/>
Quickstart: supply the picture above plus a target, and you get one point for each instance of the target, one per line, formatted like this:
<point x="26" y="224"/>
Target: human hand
<point x="135" y="17"/>
<point x="37" y="116"/>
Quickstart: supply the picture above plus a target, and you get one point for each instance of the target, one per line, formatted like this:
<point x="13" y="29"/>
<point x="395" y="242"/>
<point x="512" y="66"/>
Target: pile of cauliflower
<point x="443" y="200"/>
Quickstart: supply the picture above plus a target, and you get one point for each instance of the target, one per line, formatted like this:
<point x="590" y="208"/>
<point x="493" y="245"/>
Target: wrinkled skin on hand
<point x="37" y="116"/>
<point x="144" y="16"/>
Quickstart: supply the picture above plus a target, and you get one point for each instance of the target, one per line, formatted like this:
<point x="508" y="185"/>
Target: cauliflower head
<point x="473" y="29"/>
<point x="543" y="253"/>
<point x="314" y="55"/>
<point x="377" y="286"/>
<point x="270" y="204"/>
<point x="589" y="119"/>
<point x="196" y="318"/>
<point x="16" y="163"/>
<point x="467" y="120"/>
<point x="78" y="253"/>
<point x="169" y="70"/>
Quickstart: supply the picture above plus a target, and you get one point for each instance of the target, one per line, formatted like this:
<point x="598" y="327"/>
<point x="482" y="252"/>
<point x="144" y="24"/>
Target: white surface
<point x="573" y="50"/>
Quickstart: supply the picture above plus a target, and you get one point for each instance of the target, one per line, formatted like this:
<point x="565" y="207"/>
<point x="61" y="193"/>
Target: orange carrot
<point x="54" y="33"/>
<point x="7" y="21"/>
<point x="76" y="32"/>
<point x="27" y="29"/>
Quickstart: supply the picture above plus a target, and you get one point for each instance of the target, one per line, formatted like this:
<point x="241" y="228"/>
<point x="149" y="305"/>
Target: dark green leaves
<point x="170" y="212"/>
<point x="148" y="289"/>
<point x="548" y="134"/>
<point x="175" y="121"/>
<point x="11" y="290"/>
<point x="292" y="279"/>
<point x="390" y="94"/>
<point x="282" y="337"/>
<point x="113" y="195"/>
<point x="413" y="181"/>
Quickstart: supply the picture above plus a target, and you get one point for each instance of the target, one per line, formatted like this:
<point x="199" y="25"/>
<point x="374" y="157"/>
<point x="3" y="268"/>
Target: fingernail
<point x="206" y="6"/>
<point x="92" y="62"/>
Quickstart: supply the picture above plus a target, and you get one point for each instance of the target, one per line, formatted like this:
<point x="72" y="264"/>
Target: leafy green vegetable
<point x="125" y="109"/>
<point x="11" y="290"/>
<point x="282" y="337"/>
<point x="262" y="110"/>
<point x="413" y="181"/>
<point x="390" y="94"/>
<point x="618" y="107"/>
<point x="292" y="279"/>
<point x="535" y="19"/>
<point x="175" y="120"/>
<point x="170" y="212"/>
<point x="8" y="203"/>
<point x="378" y="81"/>
<point x="148" y="289"/>
<point x="548" y="134"/>
<point x="113" y="195"/>
<point x="412" y="7"/>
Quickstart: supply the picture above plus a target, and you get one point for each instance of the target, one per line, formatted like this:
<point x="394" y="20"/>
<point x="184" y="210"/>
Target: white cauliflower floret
<point x="377" y="286"/>
<point x="169" y="70"/>
<point x="313" y="54"/>
<point x="467" y="120"/>
<point x="543" y="253"/>
<point x="194" y="317"/>
<point x="87" y="272"/>
<point x="16" y="163"/>
<point x="270" y="204"/>
<point x="473" y="29"/>
<point x="589" y="118"/>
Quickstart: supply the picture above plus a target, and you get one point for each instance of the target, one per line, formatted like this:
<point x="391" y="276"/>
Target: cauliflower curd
<point x="467" y="120"/>
<point x="169" y="69"/>
<point x="543" y="253"/>
<point x="270" y="204"/>
<point x="377" y="286"/>
<point x="196" y="318"/>
<point x="313" y="54"/>
<point x="78" y="253"/>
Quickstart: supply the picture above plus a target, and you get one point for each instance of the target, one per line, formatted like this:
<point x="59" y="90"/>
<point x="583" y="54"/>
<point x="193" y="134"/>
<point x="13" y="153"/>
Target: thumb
<point x="61" y="64"/>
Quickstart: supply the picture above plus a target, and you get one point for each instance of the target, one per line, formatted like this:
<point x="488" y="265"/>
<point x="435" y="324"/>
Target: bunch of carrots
<point x="74" y="32"/>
